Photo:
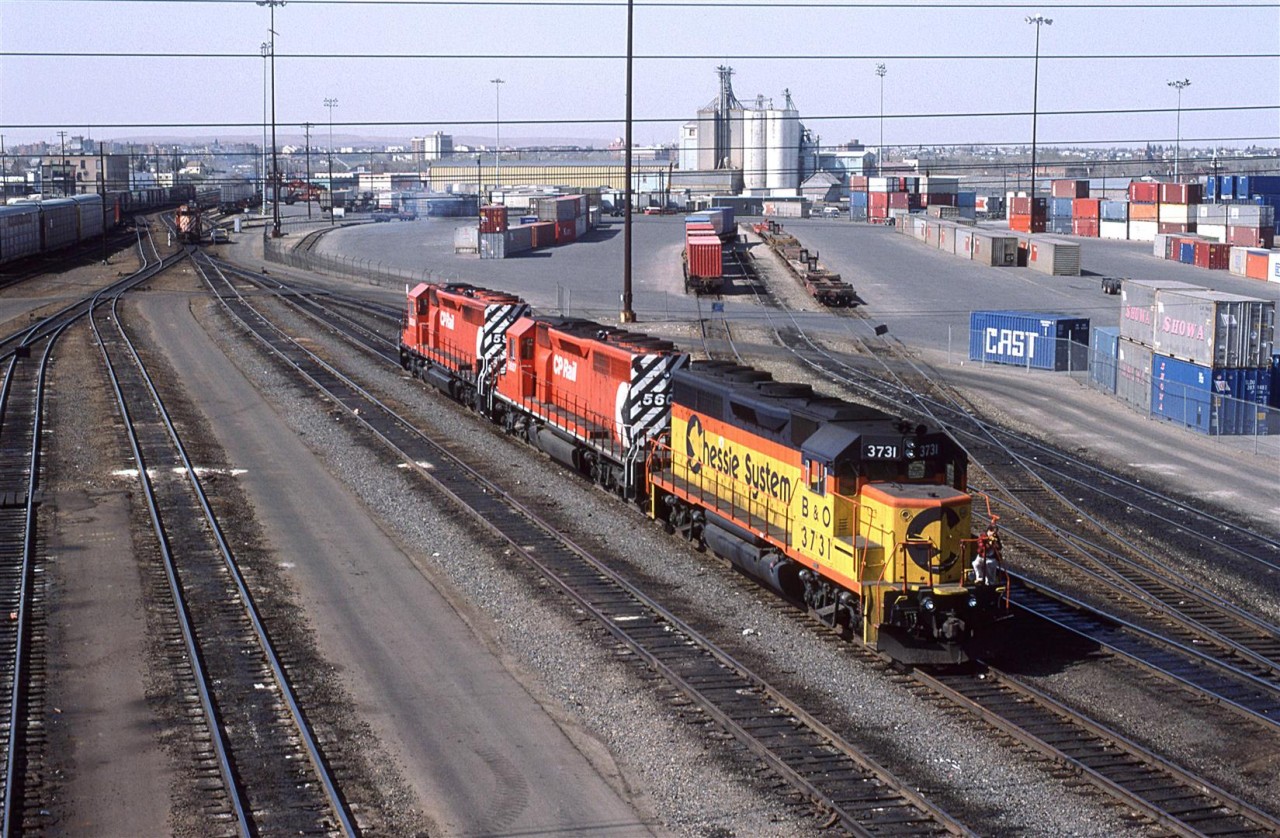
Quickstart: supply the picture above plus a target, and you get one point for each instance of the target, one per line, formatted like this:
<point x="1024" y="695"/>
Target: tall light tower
<point x="266" y="50"/>
<point x="331" y="104"/>
<point x="881" y="70"/>
<point x="1177" y="141"/>
<point x="1038" y="21"/>
<point x="275" y="160"/>
<point x="497" y="122"/>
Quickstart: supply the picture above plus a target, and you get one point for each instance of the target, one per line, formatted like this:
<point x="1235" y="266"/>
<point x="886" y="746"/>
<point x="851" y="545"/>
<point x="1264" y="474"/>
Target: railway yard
<point x="261" y="580"/>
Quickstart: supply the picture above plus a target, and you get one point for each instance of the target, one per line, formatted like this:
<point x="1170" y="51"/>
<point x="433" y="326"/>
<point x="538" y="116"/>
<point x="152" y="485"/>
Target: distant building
<point x="437" y="146"/>
<point x="81" y="173"/>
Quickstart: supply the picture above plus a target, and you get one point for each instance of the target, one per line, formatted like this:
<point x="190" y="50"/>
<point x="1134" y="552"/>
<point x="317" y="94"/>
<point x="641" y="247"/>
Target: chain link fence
<point x="300" y="253"/>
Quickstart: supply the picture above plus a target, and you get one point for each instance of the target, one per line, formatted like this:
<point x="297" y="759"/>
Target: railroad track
<point x="264" y="770"/>
<point x="836" y="776"/>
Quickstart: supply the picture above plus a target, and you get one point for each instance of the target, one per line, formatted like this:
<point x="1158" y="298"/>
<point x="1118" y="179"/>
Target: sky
<point x="195" y="68"/>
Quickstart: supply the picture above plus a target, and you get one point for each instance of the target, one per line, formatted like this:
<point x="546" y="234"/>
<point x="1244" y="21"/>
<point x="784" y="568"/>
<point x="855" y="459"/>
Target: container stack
<point x="554" y="220"/>
<point x="877" y="199"/>
<point x="1177" y="209"/>
<point x="1144" y="211"/>
<point x="1027" y="215"/>
<point x="1210" y="356"/>
<point x="1113" y="220"/>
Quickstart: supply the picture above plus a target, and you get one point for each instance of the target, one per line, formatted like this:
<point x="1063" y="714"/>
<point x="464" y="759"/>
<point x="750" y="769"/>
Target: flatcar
<point x="862" y="517"/>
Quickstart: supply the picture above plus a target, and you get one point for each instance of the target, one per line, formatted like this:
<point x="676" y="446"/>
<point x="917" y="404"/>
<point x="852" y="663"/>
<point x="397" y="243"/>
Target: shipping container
<point x="519" y="239"/>
<point x="1115" y="230"/>
<point x="1226" y="187"/>
<point x="1256" y="262"/>
<point x="1085" y="227"/>
<point x="1029" y="339"/>
<point x="1212" y="232"/>
<point x="1104" y="342"/>
<point x="566" y="231"/>
<point x="1086" y="208"/>
<point x="1177" y="213"/>
<point x="493" y="219"/>
<point x="1133" y="374"/>
<point x="19" y="231"/>
<point x="1138" y="301"/>
<point x="1143" y="231"/>
<point x="1208" y="400"/>
<point x="1212" y="255"/>
<point x="1211" y="213"/>
<point x="1251" y="215"/>
<point x="1060" y="207"/>
<point x="466" y="239"/>
<point x="543" y="233"/>
<point x="1213" y="328"/>
<point x="1113" y="210"/>
<point x="1251" y="236"/>
<point x="1273" y="266"/>
<point x="1069" y="189"/>
<point x="1238" y="263"/>
<point x="493" y="245"/>
<point x="1058" y="226"/>
<point x="706" y="257"/>
<point x="995" y="249"/>
<point x="1026" y="223"/>
<point x="1186" y="252"/>
<point x="1144" y="212"/>
<point x="1144" y="192"/>
<point x="1180" y="193"/>
<point x="1056" y="257"/>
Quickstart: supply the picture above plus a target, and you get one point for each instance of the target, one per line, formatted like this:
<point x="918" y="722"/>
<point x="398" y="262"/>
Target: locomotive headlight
<point x="926" y="602"/>
<point x="973" y="601"/>
<point x="909" y="448"/>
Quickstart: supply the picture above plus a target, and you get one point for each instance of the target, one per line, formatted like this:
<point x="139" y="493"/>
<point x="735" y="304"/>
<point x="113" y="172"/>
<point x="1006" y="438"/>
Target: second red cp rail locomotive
<point x="862" y="517"/>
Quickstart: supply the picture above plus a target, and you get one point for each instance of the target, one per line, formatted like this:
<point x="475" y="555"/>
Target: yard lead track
<point x="274" y="779"/>
<point x="859" y="795"/>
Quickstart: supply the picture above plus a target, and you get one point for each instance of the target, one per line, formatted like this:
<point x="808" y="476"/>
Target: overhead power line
<point x="722" y="4"/>
<point x="471" y="56"/>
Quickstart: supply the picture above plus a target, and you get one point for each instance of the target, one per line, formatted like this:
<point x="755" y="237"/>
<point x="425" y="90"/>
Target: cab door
<point x="518" y="376"/>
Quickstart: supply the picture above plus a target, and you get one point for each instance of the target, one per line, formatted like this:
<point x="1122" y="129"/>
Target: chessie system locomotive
<point x="862" y="517"/>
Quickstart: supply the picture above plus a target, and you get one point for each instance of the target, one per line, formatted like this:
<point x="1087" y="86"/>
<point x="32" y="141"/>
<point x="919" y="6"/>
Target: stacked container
<point x="1113" y="220"/>
<point x="1085" y="217"/>
<point x="1144" y="210"/>
<point x="1027" y="215"/>
<point x="1210" y="355"/>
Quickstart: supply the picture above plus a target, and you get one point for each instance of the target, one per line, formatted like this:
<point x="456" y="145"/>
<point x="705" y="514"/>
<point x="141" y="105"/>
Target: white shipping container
<point x="580" y="226"/>
<point x="1177" y="213"/>
<point x="1214" y="328"/>
<point x="1211" y="213"/>
<point x="1115" y="230"/>
<point x="1143" y="231"/>
<point x="1160" y="244"/>
<point x="995" y="249"/>
<point x="1054" y="256"/>
<point x="1239" y="256"/>
<point x="466" y="239"/>
<point x="493" y="245"/>
<point x="1251" y="215"/>
<point x="1273" y="266"/>
<point x="882" y="184"/>
<point x="1214" y="232"/>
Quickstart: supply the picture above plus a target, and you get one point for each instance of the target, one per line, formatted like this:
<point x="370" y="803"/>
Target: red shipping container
<point x="706" y="258"/>
<point x="1144" y="192"/>
<point x="1069" y="189"/>
<point x="1180" y="193"/>
<point x="1251" y="236"/>
<point x="493" y="219"/>
<point x="1144" y="212"/>
<point x="1025" y="223"/>
<point x="858" y="183"/>
<point x="1166" y="227"/>
<point x="899" y="200"/>
<point x="1086" y="208"/>
<point x="1212" y="255"/>
<point x="1085" y="227"/>
<point x="878" y="201"/>
<point x="565" y="231"/>
<point x="1022" y="206"/>
<point x="1255" y="265"/>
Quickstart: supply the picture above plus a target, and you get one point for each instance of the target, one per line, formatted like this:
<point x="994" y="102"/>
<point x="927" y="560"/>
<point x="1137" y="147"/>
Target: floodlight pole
<point x="1039" y="21"/>
<point x="331" y="104"/>
<point x="275" y="160"/>
<point x="1177" y="141"/>
<point x="881" y="70"/>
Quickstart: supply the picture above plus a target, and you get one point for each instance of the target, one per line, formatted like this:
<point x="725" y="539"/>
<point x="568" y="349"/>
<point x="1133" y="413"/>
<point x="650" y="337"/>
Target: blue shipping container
<point x="967" y="199"/>
<point x="1211" y="189"/>
<point x="1187" y="253"/>
<point x="1058" y="226"/>
<point x="1264" y="185"/>
<point x="1274" y="398"/>
<point x="1114" y="210"/>
<point x="1226" y="187"/>
<point x="858" y="199"/>
<point x="1104" y="346"/>
<point x="1225" y="402"/>
<point x="1029" y="339"/>
<point x="1060" y="208"/>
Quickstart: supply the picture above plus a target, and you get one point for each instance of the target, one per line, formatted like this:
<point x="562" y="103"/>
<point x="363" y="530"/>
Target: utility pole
<point x="627" y="315"/>
<point x="307" y="126"/>
<point x="497" y="124"/>
<point x="62" y="137"/>
<point x="262" y="173"/>
<point x="331" y="104"/>
<point x="275" y="160"/>
<point x="102" y="190"/>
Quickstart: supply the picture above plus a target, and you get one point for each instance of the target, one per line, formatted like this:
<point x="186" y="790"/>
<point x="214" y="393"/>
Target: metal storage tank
<point x="1029" y="339"/>
<point x="755" y="163"/>
<point x="783" y="144"/>
<point x="19" y="231"/>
